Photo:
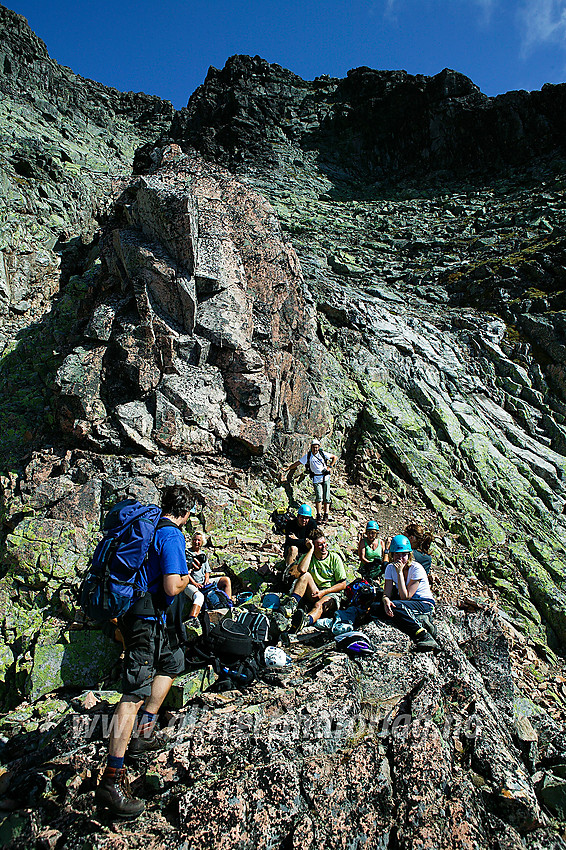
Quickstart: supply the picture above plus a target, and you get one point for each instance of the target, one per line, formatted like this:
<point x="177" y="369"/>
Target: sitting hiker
<point x="407" y="593"/>
<point x="322" y="579"/>
<point x="371" y="551"/>
<point x="319" y="464"/>
<point x="200" y="587"/>
<point x="297" y="530"/>
<point x="421" y="540"/>
<point x="151" y="661"/>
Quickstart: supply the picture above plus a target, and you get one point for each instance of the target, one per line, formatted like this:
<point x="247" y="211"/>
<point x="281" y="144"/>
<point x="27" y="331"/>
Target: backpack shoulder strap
<point x="164" y="522"/>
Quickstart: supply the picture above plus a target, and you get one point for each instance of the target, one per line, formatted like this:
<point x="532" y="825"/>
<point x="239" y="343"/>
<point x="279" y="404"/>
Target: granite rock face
<point x="201" y="334"/>
<point x="399" y="749"/>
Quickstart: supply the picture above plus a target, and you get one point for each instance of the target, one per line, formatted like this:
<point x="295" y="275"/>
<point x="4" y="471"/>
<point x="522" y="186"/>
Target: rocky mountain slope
<point x="379" y="260"/>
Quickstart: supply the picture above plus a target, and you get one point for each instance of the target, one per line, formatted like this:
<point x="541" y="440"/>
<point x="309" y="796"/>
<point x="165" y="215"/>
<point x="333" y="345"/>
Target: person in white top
<point x="407" y="593"/>
<point x="319" y="464"/>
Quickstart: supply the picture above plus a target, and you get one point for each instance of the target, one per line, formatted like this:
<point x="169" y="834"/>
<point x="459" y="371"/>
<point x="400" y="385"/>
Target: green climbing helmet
<point x="400" y="543"/>
<point x="304" y="510"/>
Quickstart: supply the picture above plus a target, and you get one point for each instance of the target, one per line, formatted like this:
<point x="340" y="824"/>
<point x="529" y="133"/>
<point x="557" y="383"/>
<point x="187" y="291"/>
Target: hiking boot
<point x="288" y="606"/>
<point x="140" y="745"/>
<point x="427" y="621"/>
<point x="424" y="642"/>
<point x="299" y="621"/>
<point x="113" y="791"/>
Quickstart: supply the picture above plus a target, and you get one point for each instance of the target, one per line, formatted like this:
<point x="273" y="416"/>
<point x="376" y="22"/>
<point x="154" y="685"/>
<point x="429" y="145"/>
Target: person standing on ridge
<point x="319" y="465"/>
<point x="152" y="660"/>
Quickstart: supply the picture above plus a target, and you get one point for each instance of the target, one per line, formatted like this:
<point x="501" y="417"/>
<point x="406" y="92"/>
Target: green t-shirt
<point x="328" y="572"/>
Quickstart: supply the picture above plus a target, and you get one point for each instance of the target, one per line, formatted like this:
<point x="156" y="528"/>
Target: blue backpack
<point x="110" y="585"/>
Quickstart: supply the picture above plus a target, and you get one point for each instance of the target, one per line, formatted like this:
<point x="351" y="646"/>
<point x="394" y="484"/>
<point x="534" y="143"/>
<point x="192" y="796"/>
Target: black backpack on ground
<point x="231" y="651"/>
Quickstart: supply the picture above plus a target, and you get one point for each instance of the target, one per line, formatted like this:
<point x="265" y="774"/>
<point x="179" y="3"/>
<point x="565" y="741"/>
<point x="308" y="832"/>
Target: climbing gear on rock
<point x="113" y="791"/>
<point x="271" y="601"/>
<point x="274" y="656"/>
<point x="354" y="643"/>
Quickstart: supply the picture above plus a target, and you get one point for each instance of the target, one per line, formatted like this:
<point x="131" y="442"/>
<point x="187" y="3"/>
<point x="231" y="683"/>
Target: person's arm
<point x="333" y="461"/>
<point x="305" y="562"/>
<point x="388" y="603"/>
<point x="339" y="576"/>
<point x="174" y="584"/>
<point x="336" y="588"/>
<point x="406" y="591"/>
<point x="173" y="562"/>
<point x="291" y="468"/>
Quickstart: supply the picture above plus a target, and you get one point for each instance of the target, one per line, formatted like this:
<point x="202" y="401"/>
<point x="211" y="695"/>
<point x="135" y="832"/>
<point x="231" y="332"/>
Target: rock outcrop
<point x="369" y="126"/>
<point x="201" y="334"/>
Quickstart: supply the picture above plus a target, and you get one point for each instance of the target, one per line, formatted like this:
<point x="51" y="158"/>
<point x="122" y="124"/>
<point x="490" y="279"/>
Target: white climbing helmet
<point x="274" y="656"/>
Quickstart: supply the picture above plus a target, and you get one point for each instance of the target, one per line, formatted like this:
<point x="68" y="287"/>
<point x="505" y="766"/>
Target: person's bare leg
<point x="122" y="726"/>
<point x="160" y="687"/>
<point x="318" y="506"/>
<point x="316" y="612"/>
<point x="195" y="610"/>
<point x="225" y="584"/>
<point x="291" y="555"/>
<point x="303" y="584"/>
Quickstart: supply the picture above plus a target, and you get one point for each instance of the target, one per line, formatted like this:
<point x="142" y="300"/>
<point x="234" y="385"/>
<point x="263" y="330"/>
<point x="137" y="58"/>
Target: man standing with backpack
<point x="153" y="657"/>
<point x="319" y="464"/>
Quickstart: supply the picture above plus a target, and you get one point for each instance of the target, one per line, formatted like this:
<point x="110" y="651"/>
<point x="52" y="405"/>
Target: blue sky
<point x="166" y="47"/>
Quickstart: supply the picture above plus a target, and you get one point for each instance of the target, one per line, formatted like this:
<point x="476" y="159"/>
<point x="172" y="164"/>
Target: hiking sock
<point x="296" y="597"/>
<point x="146" y="722"/>
<point x="420" y="634"/>
<point x="310" y="621"/>
<point x="115" y="762"/>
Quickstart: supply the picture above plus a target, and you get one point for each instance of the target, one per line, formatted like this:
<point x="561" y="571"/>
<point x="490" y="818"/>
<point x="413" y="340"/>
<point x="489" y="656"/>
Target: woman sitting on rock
<point x="371" y="550"/>
<point x="421" y="539"/>
<point x="407" y="594"/>
<point x="217" y="593"/>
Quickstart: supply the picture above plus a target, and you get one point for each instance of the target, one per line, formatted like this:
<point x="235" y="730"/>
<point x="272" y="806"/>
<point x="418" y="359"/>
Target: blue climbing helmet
<point x="400" y="543"/>
<point x="372" y="525"/>
<point x="304" y="510"/>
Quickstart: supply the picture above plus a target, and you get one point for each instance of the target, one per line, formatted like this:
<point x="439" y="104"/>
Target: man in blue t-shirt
<point x="153" y="656"/>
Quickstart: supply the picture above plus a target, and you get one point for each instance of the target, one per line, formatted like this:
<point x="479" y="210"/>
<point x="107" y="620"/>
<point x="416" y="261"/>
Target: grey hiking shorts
<point x="148" y="654"/>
